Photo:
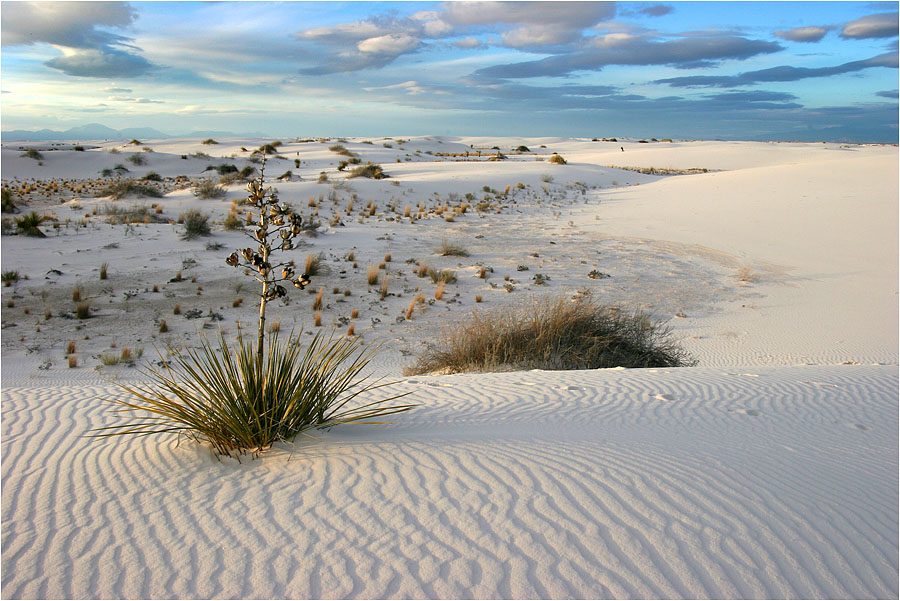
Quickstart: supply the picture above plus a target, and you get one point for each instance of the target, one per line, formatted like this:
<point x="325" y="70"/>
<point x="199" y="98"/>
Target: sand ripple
<point x="702" y="482"/>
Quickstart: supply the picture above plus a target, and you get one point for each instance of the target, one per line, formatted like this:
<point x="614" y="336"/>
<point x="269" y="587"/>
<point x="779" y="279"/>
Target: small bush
<point x="152" y="176"/>
<point x="8" y="204"/>
<point x="444" y="275"/>
<point x="554" y="334"/>
<point x="29" y="224"/>
<point x="557" y="160"/>
<point x="313" y="265"/>
<point x="237" y="403"/>
<point x="372" y="275"/>
<point x="195" y="224"/>
<point x="370" y="170"/>
<point x="83" y="311"/>
<point x="207" y="188"/>
<point x="452" y="249"/>
<point x="137" y="159"/>
<point x="209" y="141"/>
<point x="129" y="187"/>
<point x="32" y="153"/>
<point x="10" y="277"/>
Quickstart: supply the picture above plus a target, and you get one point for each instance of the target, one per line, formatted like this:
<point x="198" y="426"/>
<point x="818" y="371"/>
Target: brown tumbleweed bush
<point x="556" y="333"/>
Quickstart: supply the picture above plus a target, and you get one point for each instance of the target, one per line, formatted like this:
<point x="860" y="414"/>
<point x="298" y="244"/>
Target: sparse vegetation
<point x="195" y="224"/>
<point x="554" y="334"/>
<point x="557" y="160"/>
<point x="32" y="153"/>
<point x="452" y="249"/>
<point x="10" y="277"/>
<point x="370" y="170"/>
<point x="237" y="403"/>
<point x="128" y="187"/>
<point x="29" y="225"/>
<point x="207" y="188"/>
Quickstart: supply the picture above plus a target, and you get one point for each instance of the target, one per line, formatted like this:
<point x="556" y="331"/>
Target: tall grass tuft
<point x="554" y="334"/>
<point x="229" y="398"/>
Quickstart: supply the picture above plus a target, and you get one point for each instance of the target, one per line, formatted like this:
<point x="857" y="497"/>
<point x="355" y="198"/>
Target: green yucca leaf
<point x="237" y="402"/>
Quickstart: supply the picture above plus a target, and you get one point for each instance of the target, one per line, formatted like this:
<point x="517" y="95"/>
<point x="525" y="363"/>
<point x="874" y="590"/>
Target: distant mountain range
<point x="97" y="131"/>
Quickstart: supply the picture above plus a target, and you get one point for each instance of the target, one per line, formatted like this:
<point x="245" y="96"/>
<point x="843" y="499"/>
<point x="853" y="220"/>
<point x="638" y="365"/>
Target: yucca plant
<point x="29" y="224"/>
<point x="244" y="398"/>
<point x="230" y="399"/>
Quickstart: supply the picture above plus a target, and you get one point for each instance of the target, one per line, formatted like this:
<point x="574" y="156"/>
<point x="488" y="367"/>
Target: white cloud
<point x="803" y="34"/>
<point x="392" y="44"/>
<point x="468" y="43"/>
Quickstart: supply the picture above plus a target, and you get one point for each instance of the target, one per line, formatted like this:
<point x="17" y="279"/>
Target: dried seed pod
<point x="284" y="234"/>
<point x="232" y="259"/>
<point x="287" y="245"/>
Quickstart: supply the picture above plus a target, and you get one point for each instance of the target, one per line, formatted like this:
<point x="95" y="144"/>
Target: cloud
<point x="469" y="42"/>
<point x="892" y="94"/>
<point x="657" y="10"/>
<point x="116" y="90"/>
<point x="779" y="74"/>
<point x="103" y="62"/>
<point x="533" y="24"/>
<point x="803" y="34"/>
<point x="882" y="25"/>
<point x="73" y="28"/>
<point x="392" y="44"/>
<point x="134" y="100"/>
<point x="625" y="49"/>
<point x="70" y="24"/>
<point x="572" y="14"/>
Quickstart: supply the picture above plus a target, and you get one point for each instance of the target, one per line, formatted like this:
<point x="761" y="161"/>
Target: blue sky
<point x="730" y="70"/>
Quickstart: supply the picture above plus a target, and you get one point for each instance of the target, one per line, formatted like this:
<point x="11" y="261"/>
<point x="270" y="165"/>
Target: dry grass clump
<point x="372" y="275"/>
<point x="369" y="170"/>
<point x="452" y="249"/>
<point x="195" y="224"/>
<point x="556" y="333"/>
<point x="444" y="275"/>
<point x="129" y="187"/>
<point x="557" y="160"/>
<point x="207" y="188"/>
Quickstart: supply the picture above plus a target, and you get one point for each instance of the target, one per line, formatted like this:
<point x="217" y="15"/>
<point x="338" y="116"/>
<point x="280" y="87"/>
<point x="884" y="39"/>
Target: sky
<point x="683" y="70"/>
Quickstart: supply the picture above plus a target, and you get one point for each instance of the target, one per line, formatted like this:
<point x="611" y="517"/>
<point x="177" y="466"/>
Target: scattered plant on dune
<point x="557" y="160"/>
<point x="29" y="224"/>
<point x="8" y="203"/>
<point x="370" y="170"/>
<point x="444" y="275"/>
<point x="10" y="277"/>
<point x="128" y="187"/>
<point x="207" y="188"/>
<point x="195" y="224"/>
<point x="32" y="153"/>
<point x="229" y="398"/>
<point x="452" y="249"/>
<point x="246" y="397"/>
<point x="556" y="333"/>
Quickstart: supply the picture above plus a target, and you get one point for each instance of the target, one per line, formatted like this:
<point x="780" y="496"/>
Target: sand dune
<point x="775" y="483"/>
<point x="768" y="471"/>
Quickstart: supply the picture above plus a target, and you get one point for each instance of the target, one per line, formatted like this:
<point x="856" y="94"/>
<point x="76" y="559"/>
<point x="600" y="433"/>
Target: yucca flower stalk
<point x="276" y="227"/>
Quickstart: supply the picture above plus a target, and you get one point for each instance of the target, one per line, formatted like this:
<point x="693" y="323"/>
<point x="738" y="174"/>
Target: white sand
<point x="768" y="471"/>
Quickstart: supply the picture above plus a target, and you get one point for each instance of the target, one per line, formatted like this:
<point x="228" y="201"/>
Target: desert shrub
<point x="232" y="221"/>
<point x="225" y="169"/>
<point x="116" y="214"/>
<point x="447" y="276"/>
<point x="522" y="149"/>
<point x="29" y="224"/>
<point x="314" y="265"/>
<point x="7" y="204"/>
<point x="267" y="149"/>
<point x="129" y="187"/>
<point x="547" y="178"/>
<point x="9" y="277"/>
<point x="451" y="249"/>
<point x="554" y="334"/>
<point x="152" y="176"/>
<point x="137" y="159"/>
<point x="135" y="142"/>
<point x="207" y="188"/>
<point x="209" y="141"/>
<point x="370" y="170"/>
<point x="237" y="402"/>
<point x="32" y="153"/>
<point x="557" y="160"/>
<point x="195" y="224"/>
<point x="78" y="148"/>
